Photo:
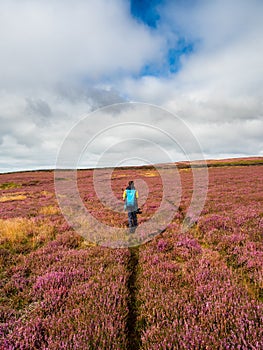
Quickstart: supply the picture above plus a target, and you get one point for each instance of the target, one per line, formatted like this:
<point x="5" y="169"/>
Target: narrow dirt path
<point x="132" y="331"/>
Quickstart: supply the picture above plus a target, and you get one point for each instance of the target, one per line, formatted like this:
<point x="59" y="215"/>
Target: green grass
<point x="8" y="185"/>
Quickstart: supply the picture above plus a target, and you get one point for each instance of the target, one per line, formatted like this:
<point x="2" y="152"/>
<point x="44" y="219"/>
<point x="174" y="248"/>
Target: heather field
<point x="201" y="288"/>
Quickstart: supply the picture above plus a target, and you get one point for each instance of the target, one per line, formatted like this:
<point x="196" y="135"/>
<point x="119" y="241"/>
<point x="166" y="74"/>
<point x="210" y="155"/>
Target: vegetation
<point x="199" y="289"/>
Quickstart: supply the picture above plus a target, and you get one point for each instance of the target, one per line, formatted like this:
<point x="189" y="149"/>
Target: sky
<point x="61" y="61"/>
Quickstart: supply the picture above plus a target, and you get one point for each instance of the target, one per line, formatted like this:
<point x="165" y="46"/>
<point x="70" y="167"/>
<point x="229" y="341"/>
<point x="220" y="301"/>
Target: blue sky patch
<point x="171" y="63"/>
<point x="174" y="55"/>
<point x="149" y="12"/>
<point x="146" y="11"/>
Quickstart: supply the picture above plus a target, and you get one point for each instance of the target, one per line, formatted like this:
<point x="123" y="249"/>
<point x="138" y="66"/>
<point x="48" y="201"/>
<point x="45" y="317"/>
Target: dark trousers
<point x="132" y="218"/>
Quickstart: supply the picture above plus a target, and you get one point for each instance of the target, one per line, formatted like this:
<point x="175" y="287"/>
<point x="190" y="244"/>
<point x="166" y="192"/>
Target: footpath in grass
<point x="132" y="327"/>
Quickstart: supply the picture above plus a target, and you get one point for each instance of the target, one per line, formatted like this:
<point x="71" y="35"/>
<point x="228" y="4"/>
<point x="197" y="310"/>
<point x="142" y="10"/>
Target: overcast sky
<point x="61" y="60"/>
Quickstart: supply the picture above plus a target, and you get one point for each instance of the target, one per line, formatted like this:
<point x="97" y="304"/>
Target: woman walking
<point x="130" y="196"/>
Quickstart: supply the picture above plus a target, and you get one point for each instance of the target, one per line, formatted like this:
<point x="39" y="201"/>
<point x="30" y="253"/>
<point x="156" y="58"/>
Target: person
<point x="130" y="196"/>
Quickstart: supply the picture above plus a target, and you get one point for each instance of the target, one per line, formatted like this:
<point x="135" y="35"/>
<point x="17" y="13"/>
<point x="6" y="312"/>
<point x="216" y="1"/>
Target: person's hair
<point x="131" y="184"/>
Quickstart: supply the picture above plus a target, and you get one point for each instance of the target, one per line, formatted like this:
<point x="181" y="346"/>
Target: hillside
<point x="201" y="287"/>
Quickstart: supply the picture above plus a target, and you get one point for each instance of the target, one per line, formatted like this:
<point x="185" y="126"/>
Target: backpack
<point x="131" y="202"/>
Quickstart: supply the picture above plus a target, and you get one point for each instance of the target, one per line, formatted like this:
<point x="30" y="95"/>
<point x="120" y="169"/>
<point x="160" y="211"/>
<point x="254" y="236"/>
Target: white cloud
<point x="62" y="60"/>
<point x="219" y="89"/>
<point x="49" y="40"/>
<point x="54" y="58"/>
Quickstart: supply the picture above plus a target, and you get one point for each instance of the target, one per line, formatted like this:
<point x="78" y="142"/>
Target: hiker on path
<point x="130" y="196"/>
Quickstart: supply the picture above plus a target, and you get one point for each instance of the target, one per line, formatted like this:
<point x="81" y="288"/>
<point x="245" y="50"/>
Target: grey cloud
<point x="95" y="97"/>
<point x="39" y="106"/>
<point x="39" y="110"/>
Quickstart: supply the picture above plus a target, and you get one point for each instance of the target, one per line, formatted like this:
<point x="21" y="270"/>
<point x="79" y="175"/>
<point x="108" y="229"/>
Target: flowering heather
<point x="64" y="298"/>
<point x="201" y="289"/>
<point x="193" y="300"/>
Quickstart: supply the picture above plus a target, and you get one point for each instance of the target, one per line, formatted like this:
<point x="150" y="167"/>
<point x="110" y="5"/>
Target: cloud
<point x="219" y="88"/>
<point x="62" y="60"/>
<point x="127" y="132"/>
<point x="59" y="61"/>
<point x="94" y="96"/>
<point x="48" y="40"/>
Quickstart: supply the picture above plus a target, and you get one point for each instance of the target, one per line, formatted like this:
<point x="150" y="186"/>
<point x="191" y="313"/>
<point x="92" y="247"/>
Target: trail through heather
<point x="132" y="329"/>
